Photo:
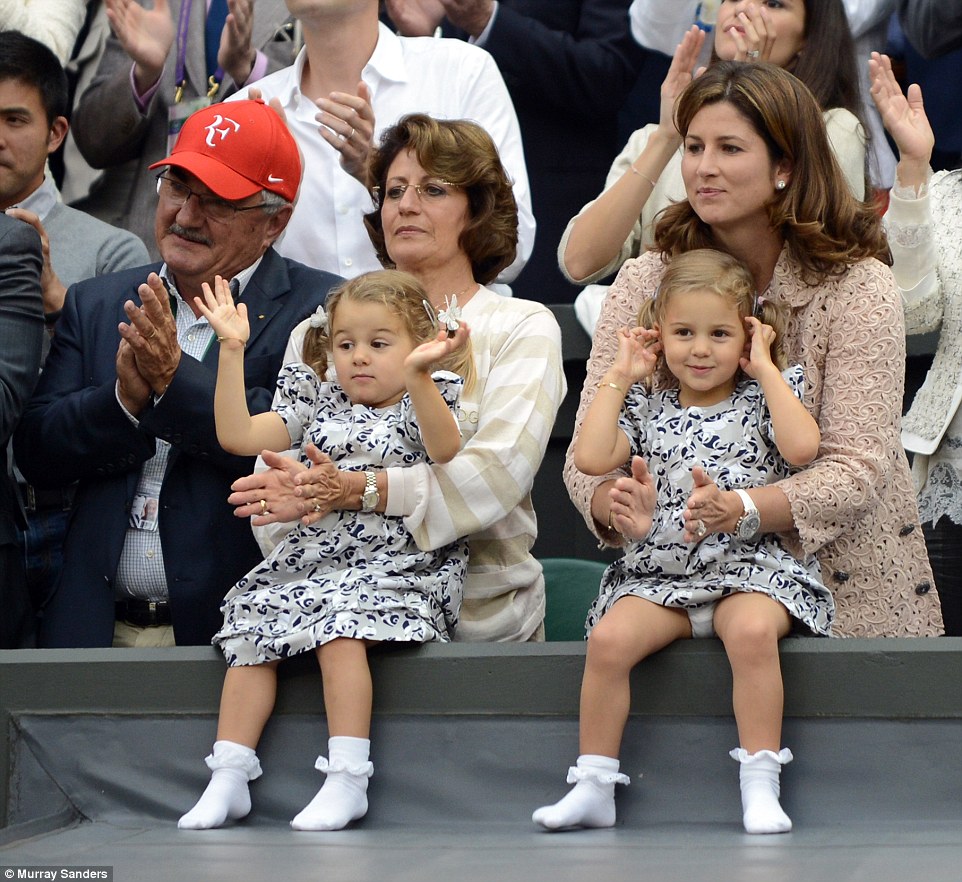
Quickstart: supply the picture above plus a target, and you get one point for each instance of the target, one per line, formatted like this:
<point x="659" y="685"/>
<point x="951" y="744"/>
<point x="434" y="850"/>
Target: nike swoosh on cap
<point x="272" y="180"/>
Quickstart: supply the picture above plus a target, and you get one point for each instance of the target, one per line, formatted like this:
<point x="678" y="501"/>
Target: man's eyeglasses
<point x="429" y="191"/>
<point x="216" y="209"/>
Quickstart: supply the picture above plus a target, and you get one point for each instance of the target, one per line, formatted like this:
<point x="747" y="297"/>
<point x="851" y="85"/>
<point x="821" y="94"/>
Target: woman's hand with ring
<point x="756" y="38"/>
<point x="347" y="124"/>
<point x="322" y="488"/>
<point x="268" y="496"/>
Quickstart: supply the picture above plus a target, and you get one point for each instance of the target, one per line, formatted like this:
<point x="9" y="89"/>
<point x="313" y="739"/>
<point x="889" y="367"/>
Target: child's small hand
<point x="638" y="350"/>
<point x="633" y="501"/>
<point x="758" y="356"/>
<point x="228" y="320"/>
<point x="423" y="358"/>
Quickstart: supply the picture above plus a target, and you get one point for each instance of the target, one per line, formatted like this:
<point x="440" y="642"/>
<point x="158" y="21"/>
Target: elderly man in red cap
<point x="125" y="403"/>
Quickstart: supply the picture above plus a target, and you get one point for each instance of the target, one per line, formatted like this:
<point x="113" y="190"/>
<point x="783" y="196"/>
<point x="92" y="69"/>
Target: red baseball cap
<point x="237" y="149"/>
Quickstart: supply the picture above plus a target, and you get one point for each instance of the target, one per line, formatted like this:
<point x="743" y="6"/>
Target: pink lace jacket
<point x="854" y="506"/>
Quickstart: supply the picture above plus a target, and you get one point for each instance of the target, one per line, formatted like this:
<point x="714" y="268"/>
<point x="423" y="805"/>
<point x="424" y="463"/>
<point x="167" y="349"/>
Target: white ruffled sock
<point x="759" y="777"/>
<point x="343" y="798"/>
<point x="227" y="796"/>
<point x="591" y="802"/>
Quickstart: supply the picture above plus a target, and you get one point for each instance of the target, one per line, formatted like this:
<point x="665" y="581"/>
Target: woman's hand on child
<point x="322" y="488"/>
<point x="758" y="357"/>
<point x="228" y="320"/>
<point x="268" y="496"/>
<point x="289" y="490"/>
<point x="424" y="357"/>
<point x="633" y="501"/>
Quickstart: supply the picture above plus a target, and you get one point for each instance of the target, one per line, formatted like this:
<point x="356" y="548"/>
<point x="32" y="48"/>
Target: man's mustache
<point x="188" y="234"/>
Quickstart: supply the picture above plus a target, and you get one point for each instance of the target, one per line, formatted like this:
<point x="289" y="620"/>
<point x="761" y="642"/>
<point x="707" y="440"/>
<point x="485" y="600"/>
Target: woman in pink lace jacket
<point x="763" y="185"/>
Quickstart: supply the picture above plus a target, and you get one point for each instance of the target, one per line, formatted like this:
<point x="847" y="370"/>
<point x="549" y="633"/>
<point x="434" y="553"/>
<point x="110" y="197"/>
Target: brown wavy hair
<point x="824" y="226"/>
<point x="462" y="153"/>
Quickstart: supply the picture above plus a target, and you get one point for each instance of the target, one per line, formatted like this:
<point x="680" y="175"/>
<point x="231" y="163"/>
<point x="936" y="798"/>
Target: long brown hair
<point x="825" y="227"/>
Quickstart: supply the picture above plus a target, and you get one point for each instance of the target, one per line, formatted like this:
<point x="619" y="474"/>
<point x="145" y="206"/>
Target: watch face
<point x="749" y="525"/>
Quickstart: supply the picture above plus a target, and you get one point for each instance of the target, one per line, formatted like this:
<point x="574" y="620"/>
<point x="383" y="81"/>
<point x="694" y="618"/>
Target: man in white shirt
<point x="352" y="80"/>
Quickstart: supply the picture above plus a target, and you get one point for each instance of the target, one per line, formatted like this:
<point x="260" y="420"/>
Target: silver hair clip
<point x="319" y="319"/>
<point x="431" y="313"/>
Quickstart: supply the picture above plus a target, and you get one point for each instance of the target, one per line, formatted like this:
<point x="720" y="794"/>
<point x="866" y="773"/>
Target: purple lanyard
<point x="180" y="74"/>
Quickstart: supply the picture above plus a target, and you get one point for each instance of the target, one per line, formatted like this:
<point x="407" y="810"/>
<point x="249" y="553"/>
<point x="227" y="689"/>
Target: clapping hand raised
<point x="903" y="116"/>
<point x="229" y="320"/>
<point x="424" y="358"/>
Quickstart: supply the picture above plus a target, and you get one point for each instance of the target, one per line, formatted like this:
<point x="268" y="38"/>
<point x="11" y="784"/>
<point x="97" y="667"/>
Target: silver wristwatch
<point x="370" y="497"/>
<point x="749" y="524"/>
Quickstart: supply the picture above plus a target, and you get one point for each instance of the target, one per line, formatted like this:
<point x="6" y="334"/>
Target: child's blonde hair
<point x="405" y="297"/>
<point x="705" y="269"/>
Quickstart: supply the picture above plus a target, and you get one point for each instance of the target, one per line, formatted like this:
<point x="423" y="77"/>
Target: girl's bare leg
<point x="631" y="630"/>
<point x="348" y="691"/>
<point x="750" y="626"/>
<point x="246" y="702"/>
<point x="347" y="699"/>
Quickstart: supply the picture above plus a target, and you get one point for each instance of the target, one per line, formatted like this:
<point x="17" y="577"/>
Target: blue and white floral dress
<point x="353" y="574"/>
<point x="734" y="442"/>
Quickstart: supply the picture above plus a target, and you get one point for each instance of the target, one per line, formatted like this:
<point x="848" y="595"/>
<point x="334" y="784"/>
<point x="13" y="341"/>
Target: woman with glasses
<point x="445" y="213"/>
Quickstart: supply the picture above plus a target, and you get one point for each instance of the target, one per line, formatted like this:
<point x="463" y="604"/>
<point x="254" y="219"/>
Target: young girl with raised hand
<point x="734" y="417"/>
<point x="356" y="578"/>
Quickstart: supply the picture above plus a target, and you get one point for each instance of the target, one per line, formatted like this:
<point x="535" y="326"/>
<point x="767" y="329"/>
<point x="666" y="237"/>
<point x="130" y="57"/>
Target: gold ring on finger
<point x="263" y="506"/>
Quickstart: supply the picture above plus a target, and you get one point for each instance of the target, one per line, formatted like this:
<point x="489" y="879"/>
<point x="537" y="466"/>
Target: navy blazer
<point x="74" y="429"/>
<point x="21" y="333"/>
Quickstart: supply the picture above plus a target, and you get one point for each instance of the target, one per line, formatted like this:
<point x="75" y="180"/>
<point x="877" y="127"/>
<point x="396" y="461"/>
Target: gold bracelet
<point x="243" y="343"/>
<point x="612" y="386"/>
<point x="640" y="175"/>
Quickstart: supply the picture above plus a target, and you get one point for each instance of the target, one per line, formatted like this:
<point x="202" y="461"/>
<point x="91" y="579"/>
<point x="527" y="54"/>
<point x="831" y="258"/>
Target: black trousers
<point x="944" y="542"/>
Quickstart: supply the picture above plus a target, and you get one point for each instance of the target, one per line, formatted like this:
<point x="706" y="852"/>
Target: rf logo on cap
<point x="213" y="129"/>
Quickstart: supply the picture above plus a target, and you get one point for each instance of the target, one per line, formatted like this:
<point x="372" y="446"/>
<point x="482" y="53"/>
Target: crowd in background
<point x="561" y="87"/>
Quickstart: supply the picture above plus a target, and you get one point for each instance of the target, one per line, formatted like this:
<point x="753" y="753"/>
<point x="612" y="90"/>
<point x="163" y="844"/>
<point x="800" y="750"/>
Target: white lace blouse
<point x="925" y="239"/>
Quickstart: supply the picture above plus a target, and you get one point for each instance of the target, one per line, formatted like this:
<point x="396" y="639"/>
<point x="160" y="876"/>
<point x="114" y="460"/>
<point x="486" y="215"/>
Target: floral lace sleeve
<point x="636" y="281"/>
<point x="910" y="228"/>
<point x="852" y="343"/>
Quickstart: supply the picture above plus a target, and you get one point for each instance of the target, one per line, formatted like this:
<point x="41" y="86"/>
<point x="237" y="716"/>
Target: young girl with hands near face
<point x="356" y="578"/>
<point x="735" y="416"/>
